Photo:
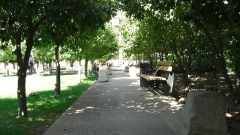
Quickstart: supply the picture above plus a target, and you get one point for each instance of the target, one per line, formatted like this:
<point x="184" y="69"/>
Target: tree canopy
<point x="195" y="35"/>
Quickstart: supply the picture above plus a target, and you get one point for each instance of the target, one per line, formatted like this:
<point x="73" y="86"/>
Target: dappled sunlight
<point x="84" y="109"/>
<point x="136" y="107"/>
<point x="136" y="83"/>
<point x="72" y="111"/>
<point x="153" y="104"/>
<point x="144" y="107"/>
<point x="120" y="78"/>
<point x="146" y="101"/>
<point x="174" y="106"/>
<point x="171" y="102"/>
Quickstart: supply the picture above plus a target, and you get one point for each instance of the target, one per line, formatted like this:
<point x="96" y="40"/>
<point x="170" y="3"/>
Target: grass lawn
<point x="43" y="109"/>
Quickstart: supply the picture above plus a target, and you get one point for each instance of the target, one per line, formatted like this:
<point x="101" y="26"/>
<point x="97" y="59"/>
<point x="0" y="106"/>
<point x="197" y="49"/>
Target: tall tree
<point x="20" y="20"/>
<point x="75" y="16"/>
<point x="216" y="18"/>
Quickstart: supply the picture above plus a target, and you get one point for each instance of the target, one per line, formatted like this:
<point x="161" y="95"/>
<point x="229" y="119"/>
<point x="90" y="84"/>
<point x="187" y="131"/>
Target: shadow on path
<point x="117" y="107"/>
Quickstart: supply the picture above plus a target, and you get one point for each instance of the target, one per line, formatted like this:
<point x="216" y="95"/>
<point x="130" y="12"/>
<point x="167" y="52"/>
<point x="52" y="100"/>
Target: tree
<point x="20" y="21"/>
<point x="92" y="45"/>
<point x="216" y="18"/>
<point x="66" y="21"/>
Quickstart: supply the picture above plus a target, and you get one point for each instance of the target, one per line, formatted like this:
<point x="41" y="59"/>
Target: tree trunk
<point x="138" y="59"/>
<point x="225" y="73"/>
<point x="38" y="66"/>
<point x="222" y="62"/>
<point x="237" y="90"/>
<point x="6" y="68"/>
<point x="79" y="70"/>
<point x="58" y="72"/>
<point x="22" y="72"/>
<point x="21" y="93"/>
<point x="14" y="66"/>
<point x="50" y="67"/>
<point x="238" y="79"/>
<point x="86" y="67"/>
<point x="186" y="80"/>
<point x="43" y="66"/>
<point x="151" y="61"/>
<point x="72" y="63"/>
<point x="182" y="66"/>
<point x="92" y="67"/>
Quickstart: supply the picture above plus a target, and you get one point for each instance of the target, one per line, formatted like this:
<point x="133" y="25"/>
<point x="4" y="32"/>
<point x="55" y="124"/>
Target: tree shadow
<point x="43" y="109"/>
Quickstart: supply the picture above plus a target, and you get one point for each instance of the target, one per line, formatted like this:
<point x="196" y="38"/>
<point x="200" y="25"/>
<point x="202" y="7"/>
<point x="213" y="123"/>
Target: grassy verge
<point x="43" y="109"/>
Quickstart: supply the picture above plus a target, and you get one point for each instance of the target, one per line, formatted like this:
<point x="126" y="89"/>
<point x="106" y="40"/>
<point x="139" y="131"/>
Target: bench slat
<point x="165" y="68"/>
<point x="151" y="77"/>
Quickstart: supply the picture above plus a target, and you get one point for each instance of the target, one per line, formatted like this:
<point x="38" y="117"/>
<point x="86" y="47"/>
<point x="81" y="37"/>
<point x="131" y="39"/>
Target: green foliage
<point x="78" y="16"/>
<point x="216" y="14"/>
<point x="53" y="19"/>
<point x="7" y="53"/>
<point x="143" y="8"/>
<point x="191" y="28"/>
<point x="220" y="21"/>
<point x="232" y="51"/>
<point x="102" y="45"/>
<point x="92" y="44"/>
<point x="44" y="53"/>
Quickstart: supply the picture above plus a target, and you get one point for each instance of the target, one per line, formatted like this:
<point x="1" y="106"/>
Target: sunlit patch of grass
<point x="44" y="108"/>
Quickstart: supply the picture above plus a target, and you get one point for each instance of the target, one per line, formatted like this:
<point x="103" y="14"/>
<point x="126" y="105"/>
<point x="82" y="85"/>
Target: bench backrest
<point x="163" y="71"/>
<point x="165" y="68"/>
<point x="167" y="71"/>
<point x="146" y="68"/>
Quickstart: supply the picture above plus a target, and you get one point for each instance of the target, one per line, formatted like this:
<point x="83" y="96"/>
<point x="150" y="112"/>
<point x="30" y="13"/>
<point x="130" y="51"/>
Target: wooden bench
<point x="162" y="76"/>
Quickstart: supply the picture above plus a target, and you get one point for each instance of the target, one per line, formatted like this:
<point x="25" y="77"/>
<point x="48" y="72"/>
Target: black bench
<point x="161" y="77"/>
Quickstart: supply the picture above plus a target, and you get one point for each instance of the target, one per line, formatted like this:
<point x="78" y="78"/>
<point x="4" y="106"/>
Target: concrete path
<point x="116" y="107"/>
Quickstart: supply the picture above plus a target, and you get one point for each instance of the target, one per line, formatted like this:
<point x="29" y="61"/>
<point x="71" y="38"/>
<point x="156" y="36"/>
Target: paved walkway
<point x="116" y="107"/>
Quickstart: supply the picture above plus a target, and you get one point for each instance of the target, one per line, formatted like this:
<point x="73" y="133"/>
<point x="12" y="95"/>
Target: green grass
<point x="43" y="110"/>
